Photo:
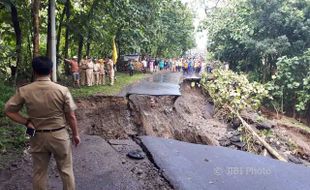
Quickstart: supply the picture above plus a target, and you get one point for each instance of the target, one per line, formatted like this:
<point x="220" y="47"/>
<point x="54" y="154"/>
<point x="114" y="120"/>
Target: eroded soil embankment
<point x="187" y="118"/>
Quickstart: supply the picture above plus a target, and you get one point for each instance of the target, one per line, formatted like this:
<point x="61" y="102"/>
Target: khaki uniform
<point x="101" y="73"/>
<point x="90" y="73"/>
<point x="83" y="68"/>
<point x="110" y="71"/>
<point x="46" y="104"/>
<point x="96" y="73"/>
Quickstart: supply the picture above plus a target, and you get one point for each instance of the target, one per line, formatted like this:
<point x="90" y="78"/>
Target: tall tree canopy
<point x="252" y="36"/>
<point x="158" y="28"/>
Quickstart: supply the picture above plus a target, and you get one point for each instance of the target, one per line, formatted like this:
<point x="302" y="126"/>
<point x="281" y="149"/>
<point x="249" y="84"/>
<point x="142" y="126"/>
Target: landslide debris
<point x="186" y="118"/>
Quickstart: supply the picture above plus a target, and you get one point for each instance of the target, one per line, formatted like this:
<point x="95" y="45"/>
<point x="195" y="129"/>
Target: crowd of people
<point x="91" y="72"/>
<point x="185" y="65"/>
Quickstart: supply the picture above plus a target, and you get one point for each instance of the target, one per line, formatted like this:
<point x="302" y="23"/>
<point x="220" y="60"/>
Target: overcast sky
<point x="198" y="8"/>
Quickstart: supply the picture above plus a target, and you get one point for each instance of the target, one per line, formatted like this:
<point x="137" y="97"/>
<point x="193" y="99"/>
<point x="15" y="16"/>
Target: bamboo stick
<point x="271" y="150"/>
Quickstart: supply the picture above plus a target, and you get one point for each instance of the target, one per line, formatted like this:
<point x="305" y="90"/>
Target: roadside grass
<point x="293" y="123"/>
<point x="122" y="80"/>
<point x="12" y="136"/>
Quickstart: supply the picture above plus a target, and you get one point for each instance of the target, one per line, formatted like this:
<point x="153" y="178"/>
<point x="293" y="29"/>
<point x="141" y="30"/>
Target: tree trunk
<point x="18" y="39"/>
<point x="90" y="13"/>
<point x="88" y="46"/>
<point x="80" y="48"/>
<point x="52" y="4"/>
<point x="66" y="48"/>
<point x="36" y="27"/>
<point x="48" y="39"/>
<point x="29" y="40"/>
<point x="59" y="29"/>
<point x="58" y="58"/>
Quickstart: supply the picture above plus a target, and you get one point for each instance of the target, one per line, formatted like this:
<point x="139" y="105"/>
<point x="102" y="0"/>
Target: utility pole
<point x="53" y="38"/>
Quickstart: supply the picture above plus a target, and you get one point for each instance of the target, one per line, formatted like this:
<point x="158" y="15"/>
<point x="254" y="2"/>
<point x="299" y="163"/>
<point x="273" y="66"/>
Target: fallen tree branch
<point x="271" y="150"/>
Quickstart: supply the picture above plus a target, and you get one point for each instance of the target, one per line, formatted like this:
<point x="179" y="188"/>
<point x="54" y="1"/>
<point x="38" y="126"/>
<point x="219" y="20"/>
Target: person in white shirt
<point x="144" y="63"/>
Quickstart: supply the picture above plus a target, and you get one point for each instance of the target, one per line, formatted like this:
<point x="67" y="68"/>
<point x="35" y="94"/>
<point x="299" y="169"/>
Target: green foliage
<point x="122" y="81"/>
<point x="292" y="81"/>
<point x="12" y="142"/>
<point x="251" y="35"/>
<point x="139" y="26"/>
<point x="227" y="88"/>
<point x="6" y="93"/>
<point x="266" y="37"/>
<point x="158" y="28"/>
<point x="12" y="135"/>
<point x="8" y="53"/>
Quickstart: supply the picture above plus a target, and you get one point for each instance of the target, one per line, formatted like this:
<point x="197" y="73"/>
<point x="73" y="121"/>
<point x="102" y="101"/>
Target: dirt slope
<point x="187" y="118"/>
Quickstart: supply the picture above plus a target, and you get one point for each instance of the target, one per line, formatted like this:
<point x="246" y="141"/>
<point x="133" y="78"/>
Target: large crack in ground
<point x="120" y="120"/>
<point x="186" y="118"/>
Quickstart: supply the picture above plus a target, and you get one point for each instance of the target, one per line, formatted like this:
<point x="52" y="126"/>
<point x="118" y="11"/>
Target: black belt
<point x="49" y="130"/>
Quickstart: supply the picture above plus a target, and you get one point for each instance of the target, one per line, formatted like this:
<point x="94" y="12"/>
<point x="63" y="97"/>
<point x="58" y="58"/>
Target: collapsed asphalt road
<point x="165" y="84"/>
<point x="201" y="167"/>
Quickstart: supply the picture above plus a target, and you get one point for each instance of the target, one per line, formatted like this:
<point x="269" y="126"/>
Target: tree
<point x="11" y="7"/>
<point x="251" y="35"/>
<point x="66" y="47"/>
<point x="157" y="28"/>
<point x="36" y="26"/>
<point x="292" y="83"/>
<point x="18" y="39"/>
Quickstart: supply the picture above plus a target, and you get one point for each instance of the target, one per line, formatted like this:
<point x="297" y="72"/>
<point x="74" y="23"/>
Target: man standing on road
<point x="96" y="72"/>
<point x="161" y="64"/>
<point x="90" y="72"/>
<point x="74" y="70"/>
<point x="151" y="65"/>
<point x="110" y="68"/>
<point x="101" y="72"/>
<point x="156" y="63"/>
<point x="83" y="67"/>
<point x="49" y="107"/>
<point x="144" y="64"/>
<point x="130" y="67"/>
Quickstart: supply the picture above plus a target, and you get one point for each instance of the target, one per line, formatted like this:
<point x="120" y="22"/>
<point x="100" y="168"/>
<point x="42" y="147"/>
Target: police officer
<point x="110" y="69"/>
<point x="83" y="67"/>
<point x="96" y="72"/>
<point x="49" y="107"/>
<point x="90" y="72"/>
<point x="101" y="72"/>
